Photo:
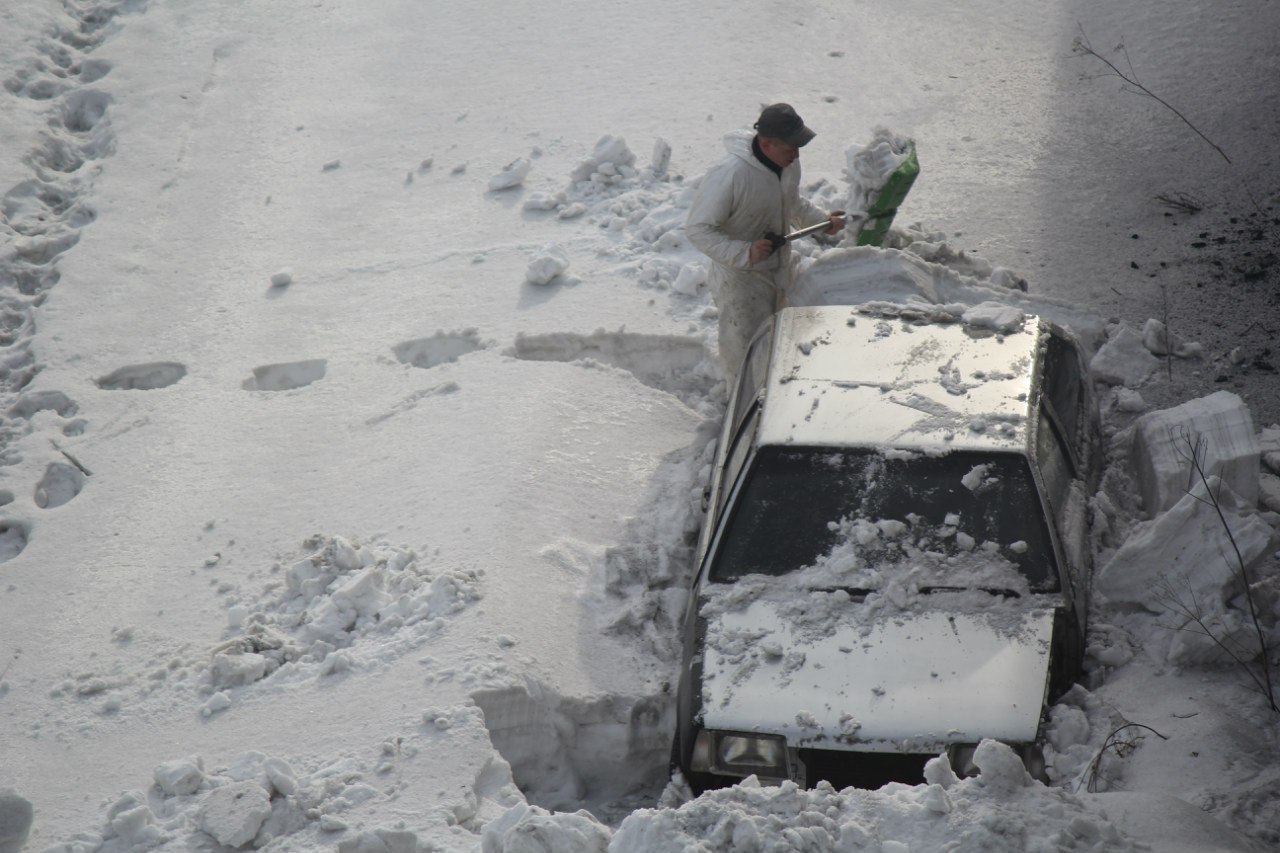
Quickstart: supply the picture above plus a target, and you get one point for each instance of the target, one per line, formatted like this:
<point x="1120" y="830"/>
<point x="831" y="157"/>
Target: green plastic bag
<point x="880" y="215"/>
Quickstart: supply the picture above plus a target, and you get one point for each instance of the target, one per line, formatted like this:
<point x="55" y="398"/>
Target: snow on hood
<point x="908" y="681"/>
<point x="920" y="649"/>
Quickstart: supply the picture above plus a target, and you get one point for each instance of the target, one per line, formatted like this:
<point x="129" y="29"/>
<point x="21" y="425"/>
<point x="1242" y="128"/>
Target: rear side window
<point x="1063" y="387"/>
<point x="793" y="498"/>
<point x="738" y="453"/>
<point x="751" y="380"/>
<point x="1054" y="467"/>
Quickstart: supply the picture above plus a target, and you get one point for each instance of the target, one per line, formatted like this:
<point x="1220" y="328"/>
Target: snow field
<point x="344" y="608"/>
<point x="430" y="696"/>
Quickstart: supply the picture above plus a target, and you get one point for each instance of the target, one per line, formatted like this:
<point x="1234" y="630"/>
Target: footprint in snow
<point x="143" y="377"/>
<point x="440" y="348"/>
<point x="676" y="365"/>
<point x="30" y="402"/>
<point x="60" y="483"/>
<point x="13" y="538"/>
<point x="286" y="376"/>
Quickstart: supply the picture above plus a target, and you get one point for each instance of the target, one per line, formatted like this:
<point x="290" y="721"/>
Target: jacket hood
<point x="738" y="143"/>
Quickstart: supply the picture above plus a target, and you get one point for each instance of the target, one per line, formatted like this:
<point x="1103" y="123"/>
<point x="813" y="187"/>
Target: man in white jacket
<point x="755" y="191"/>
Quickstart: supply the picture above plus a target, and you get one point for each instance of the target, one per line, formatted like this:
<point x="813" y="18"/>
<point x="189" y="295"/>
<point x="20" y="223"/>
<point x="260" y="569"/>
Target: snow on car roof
<point x="854" y="376"/>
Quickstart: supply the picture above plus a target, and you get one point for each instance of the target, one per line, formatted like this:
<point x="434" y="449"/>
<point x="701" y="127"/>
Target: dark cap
<point x="779" y="121"/>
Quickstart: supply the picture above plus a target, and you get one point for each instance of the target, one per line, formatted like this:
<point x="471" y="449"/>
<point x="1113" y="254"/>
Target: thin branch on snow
<point x="1081" y="45"/>
<point x="1181" y="201"/>
<point x="74" y="461"/>
<point x="1122" y="749"/>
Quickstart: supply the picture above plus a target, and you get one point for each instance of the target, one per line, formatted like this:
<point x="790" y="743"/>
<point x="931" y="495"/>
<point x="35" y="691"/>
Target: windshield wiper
<point x="992" y="590"/>
<point x="854" y="592"/>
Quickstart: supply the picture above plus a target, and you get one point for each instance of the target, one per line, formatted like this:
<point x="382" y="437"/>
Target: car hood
<point x="907" y="681"/>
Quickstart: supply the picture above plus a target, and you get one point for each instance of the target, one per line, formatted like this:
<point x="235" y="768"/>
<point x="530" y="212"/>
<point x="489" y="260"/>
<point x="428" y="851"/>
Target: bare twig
<point x="1194" y="613"/>
<point x="1256" y="325"/>
<point x="74" y="461"/>
<point x="1261" y="677"/>
<point x="1168" y="336"/>
<point x="1180" y="201"/>
<point x="1121" y="747"/>
<point x="1082" y="45"/>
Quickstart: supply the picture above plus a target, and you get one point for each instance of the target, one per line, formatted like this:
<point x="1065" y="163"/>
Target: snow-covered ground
<point x="359" y="386"/>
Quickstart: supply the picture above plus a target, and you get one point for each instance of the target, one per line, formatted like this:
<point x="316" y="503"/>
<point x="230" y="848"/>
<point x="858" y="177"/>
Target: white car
<point x="895" y="557"/>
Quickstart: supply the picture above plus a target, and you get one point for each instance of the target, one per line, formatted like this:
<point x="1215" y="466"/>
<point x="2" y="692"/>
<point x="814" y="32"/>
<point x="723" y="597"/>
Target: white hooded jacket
<point x="739" y="201"/>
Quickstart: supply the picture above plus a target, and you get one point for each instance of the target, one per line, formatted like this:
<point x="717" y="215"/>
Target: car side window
<point x="754" y="369"/>
<point x="1055" y="470"/>
<point x="1063" y="387"/>
<point x="738" y="452"/>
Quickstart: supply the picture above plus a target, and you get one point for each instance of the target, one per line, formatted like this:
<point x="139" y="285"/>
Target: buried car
<point x="895" y="559"/>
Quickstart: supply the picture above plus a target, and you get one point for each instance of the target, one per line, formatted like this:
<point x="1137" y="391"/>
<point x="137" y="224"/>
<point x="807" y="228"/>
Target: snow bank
<point x="1001" y="809"/>
<point x="529" y="828"/>
<point x="902" y="276"/>
<point x="349" y="801"/>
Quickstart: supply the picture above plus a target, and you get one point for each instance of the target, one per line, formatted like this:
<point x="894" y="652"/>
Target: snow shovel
<point x="779" y="240"/>
<point x="881" y="212"/>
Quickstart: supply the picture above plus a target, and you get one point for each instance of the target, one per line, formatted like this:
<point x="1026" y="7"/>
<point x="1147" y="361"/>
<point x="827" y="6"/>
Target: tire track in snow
<point x="41" y="218"/>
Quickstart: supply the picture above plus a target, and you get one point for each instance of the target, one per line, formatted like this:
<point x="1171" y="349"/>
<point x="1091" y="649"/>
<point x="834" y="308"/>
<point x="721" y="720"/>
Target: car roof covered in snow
<point x="859" y="377"/>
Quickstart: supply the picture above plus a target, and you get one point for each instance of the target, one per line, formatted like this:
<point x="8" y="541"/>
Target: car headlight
<point x="961" y="757"/>
<point x="740" y="754"/>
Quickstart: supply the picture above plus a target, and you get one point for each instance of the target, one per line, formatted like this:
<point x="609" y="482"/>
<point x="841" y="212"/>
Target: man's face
<point x="782" y="154"/>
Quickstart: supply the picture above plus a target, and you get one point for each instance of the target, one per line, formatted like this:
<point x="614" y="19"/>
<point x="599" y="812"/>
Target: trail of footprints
<point x="42" y="216"/>
<point x="40" y="219"/>
<point x="668" y="363"/>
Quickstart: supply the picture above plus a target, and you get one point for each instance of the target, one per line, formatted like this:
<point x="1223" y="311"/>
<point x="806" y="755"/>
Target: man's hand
<point x="837" y="221"/>
<point x="761" y="250"/>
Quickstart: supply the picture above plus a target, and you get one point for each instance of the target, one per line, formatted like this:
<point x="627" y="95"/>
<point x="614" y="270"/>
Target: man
<point x="755" y="191"/>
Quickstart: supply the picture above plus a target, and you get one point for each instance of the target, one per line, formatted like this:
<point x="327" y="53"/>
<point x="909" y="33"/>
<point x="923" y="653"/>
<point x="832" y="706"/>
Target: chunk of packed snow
<point x="1269" y="491"/>
<point x="234" y="813"/>
<point x="661" y="158"/>
<point x="131" y="820"/>
<point x="16" y="816"/>
<point x="179" y="777"/>
<point x="282" y="278"/>
<point x="544" y="201"/>
<point x="1157" y="338"/>
<point x="996" y="316"/>
<point x="512" y="175"/>
<point x="1269" y="445"/>
<point x="1203" y="644"/>
<point x="1129" y="400"/>
<point x="691" y="276"/>
<point x="528" y="828"/>
<point x="1218" y="427"/>
<point x="611" y="153"/>
<point x="1188" y="545"/>
<point x="547" y="265"/>
<point x="1123" y="360"/>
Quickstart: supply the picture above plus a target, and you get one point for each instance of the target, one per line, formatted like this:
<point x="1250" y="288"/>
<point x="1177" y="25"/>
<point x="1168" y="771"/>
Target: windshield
<point x="800" y="504"/>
